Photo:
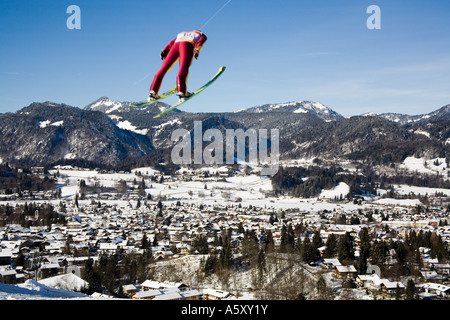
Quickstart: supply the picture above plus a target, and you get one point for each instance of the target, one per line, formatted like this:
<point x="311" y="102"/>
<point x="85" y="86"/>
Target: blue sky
<point x="274" y="51"/>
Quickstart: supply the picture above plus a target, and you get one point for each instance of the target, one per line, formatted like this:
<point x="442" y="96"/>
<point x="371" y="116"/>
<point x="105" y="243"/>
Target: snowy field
<point x="47" y="289"/>
<point x="247" y="190"/>
<point x="420" y="165"/>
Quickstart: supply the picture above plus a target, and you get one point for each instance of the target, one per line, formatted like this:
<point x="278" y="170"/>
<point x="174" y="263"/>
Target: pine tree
<point x="308" y="251"/>
<point x="283" y="239"/>
<point x="250" y="247"/>
<point x="241" y="228"/>
<point x="91" y="276"/>
<point x="299" y="246"/>
<point x="200" y="244"/>
<point x="331" y="245"/>
<point x="410" y="290"/>
<point x="226" y="256"/>
<point x="438" y="248"/>
<point x="145" y="243"/>
<point x="287" y="239"/>
<point x="322" y="288"/>
<point x="141" y="188"/>
<point x="378" y="253"/>
<point x="290" y="237"/>
<point x="261" y="265"/>
<point x="107" y="268"/>
<point x="398" y="293"/>
<point x="316" y="244"/>
<point x="345" y="248"/>
<point x="141" y="268"/>
<point x="364" y="251"/>
<point x="210" y="265"/>
<point x="269" y="243"/>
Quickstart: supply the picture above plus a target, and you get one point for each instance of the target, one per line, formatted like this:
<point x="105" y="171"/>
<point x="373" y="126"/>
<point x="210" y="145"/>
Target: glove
<point x="163" y="54"/>
<point x="196" y="53"/>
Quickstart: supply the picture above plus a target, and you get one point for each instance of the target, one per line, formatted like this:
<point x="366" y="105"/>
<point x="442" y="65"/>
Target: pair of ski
<point x="173" y="91"/>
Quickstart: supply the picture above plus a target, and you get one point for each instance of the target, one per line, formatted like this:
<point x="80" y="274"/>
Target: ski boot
<point x="182" y="97"/>
<point x="152" y="96"/>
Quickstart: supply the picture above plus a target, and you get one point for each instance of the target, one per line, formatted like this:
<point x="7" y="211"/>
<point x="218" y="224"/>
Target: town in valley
<point x="216" y="233"/>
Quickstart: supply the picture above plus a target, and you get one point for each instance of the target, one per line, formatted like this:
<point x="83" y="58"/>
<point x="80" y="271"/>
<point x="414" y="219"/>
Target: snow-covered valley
<point x="121" y="207"/>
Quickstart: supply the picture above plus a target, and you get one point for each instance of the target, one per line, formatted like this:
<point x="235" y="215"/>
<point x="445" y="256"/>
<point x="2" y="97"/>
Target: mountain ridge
<point x="43" y="133"/>
<point x="110" y="132"/>
<point x="442" y="113"/>
<point x="316" y="108"/>
<point x="106" y="105"/>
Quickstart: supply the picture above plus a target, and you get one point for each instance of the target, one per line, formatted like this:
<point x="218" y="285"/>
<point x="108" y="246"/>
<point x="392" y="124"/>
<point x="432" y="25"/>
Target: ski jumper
<point x="183" y="48"/>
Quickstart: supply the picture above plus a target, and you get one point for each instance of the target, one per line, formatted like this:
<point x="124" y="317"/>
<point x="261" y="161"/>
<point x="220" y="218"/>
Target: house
<point x="368" y="281"/>
<point x="162" y="254"/>
<point x="183" y="248"/>
<point x="8" y="276"/>
<point x="443" y="269"/>
<point x="212" y="294"/>
<point x="191" y="295"/>
<point x="430" y="262"/>
<point x="156" y="285"/>
<point x="73" y="228"/>
<point x="391" y="287"/>
<point x="331" y="263"/>
<point x="108" y="247"/>
<point x="171" y="293"/>
<point x="60" y="260"/>
<point x="148" y="285"/>
<point x="129" y="289"/>
<point x="179" y="285"/>
<point x="147" y="295"/>
<point x="5" y="257"/>
<point x="345" y="272"/>
<point x="169" y="296"/>
<point x="77" y="261"/>
<point x="435" y="289"/>
<point x="48" y="270"/>
<point x="374" y="283"/>
<point x="429" y="275"/>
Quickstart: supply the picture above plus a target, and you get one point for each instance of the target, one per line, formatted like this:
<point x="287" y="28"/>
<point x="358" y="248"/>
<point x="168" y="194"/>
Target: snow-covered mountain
<point x="315" y="108"/>
<point x="44" y="133"/>
<point x="107" y="132"/>
<point x="437" y="115"/>
<point x="370" y="139"/>
<point x="108" y="106"/>
<point x="104" y="104"/>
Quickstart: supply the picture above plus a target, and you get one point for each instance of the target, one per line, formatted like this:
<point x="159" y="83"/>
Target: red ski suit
<point x="183" y="48"/>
